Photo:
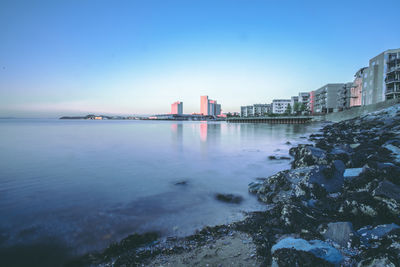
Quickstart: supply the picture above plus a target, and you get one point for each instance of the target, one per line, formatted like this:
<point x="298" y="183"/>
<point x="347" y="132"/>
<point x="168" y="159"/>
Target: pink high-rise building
<point x="356" y="89"/>
<point x="204" y="105"/>
<point x="209" y="106"/>
<point x="177" y="108"/>
<point x="311" y="102"/>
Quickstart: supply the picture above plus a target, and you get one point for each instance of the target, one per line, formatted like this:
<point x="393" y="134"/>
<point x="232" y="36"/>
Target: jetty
<point x="272" y="120"/>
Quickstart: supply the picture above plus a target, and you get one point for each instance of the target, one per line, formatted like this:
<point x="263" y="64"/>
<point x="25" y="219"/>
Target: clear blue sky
<point x="134" y="57"/>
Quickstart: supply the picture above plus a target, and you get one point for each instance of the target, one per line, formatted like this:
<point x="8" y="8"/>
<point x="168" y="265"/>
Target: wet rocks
<point x="303" y="183"/>
<point x="388" y="190"/>
<point x="272" y="157"/>
<point x="328" y="255"/>
<point x="339" y="232"/>
<point x="369" y="233"/>
<point x="183" y="182"/>
<point x="229" y="198"/>
<point x="307" y="155"/>
<point x="352" y="172"/>
<point x="349" y="177"/>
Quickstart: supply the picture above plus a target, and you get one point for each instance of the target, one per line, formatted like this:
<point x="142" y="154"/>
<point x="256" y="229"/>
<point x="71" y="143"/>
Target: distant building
<point x="262" y="109"/>
<point x="326" y="98"/>
<point x="247" y="111"/>
<point x="256" y="110"/>
<point x="382" y="80"/>
<point x="304" y="97"/>
<point x="311" y="102"/>
<point x="344" y="95"/>
<point x="177" y="108"/>
<point x="392" y="78"/>
<point x="280" y="106"/>
<point x="356" y="89"/>
<point x="293" y="101"/>
<point x="209" y="106"/>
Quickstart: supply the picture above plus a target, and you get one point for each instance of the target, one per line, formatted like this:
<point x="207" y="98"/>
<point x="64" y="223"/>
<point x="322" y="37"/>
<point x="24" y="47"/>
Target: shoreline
<point x="339" y="204"/>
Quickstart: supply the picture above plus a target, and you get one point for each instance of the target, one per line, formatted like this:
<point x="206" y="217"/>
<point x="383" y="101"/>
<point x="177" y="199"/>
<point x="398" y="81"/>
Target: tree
<point x="296" y="108"/>
<point x="303" y="107"/>
<point x="288" y="109"/>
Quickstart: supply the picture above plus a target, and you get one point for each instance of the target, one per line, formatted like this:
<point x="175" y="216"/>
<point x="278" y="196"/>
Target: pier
<point x="272" y="120"/>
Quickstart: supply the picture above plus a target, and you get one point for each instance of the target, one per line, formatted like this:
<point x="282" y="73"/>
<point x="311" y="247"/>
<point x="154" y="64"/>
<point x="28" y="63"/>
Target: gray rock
<point x="368" y="232"/>
<point x="354" y="145"/>
<point x="340" y="232"/>
<point x="297" y="183"/>
<point x="318" y="248"/>
<point x="376" y="263"/>
<point x="229" y="198"/>
<point x="306" y="155"/>
<point x="352" y="173"/>
<point x="395" y="151"/>
<point x="388" y="190"/>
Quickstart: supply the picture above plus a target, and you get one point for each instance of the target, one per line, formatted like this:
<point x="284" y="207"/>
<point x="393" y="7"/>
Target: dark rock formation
<point x="229" y="198"/>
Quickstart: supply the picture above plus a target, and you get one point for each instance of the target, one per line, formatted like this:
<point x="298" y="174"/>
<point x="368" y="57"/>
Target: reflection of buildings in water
<point x="177" y="134"/>
<point x="203" y="131"/>
<point x="209" y="131"/>
<point x="209" y="136"/>
<point x="252" y="130"/>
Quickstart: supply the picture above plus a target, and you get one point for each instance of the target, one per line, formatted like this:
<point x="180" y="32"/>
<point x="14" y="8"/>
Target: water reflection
<point x="67" y="185"/>
<point x="177" y="135"/>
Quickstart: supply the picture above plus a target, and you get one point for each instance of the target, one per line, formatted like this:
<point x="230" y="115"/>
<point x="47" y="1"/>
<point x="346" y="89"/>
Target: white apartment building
<point x="293" y="101"/>
<point x="381" y="80"/>
<point x="256" y="110"/>
<point x="247" y="111"/>
<point x="279" y="106"/>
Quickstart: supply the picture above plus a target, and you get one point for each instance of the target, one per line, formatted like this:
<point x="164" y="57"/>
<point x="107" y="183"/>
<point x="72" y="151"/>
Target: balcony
<point x="392" y="80"/>
<point x="393" y="58"/>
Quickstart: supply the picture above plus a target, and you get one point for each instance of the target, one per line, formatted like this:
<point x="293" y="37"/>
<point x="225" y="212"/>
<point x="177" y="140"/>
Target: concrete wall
<point x="357" y="111"/>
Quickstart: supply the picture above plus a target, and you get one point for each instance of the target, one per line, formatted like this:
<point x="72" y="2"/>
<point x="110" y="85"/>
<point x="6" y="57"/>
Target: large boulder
<point x="369" y="233"/>
<point x="307" y="155"/>
<point x="304" y="183"/>
<point x="319" y="249"/>
<point x="339" y="232"/>
<point x="387" y="190"/>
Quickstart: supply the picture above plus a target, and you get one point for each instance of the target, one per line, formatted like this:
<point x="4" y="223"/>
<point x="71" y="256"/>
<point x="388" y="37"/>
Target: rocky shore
<point x="338" y="205"/>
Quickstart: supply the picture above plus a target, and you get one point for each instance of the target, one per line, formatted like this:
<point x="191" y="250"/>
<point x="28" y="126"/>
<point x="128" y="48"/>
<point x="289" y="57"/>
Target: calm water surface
<point x="78" y="185"/>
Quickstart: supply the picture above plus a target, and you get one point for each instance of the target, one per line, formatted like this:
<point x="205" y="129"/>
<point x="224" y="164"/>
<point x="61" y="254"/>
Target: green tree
<point x="296" y="108"/>
<point x="303" y="107"/>
<point x="288" y="109"/>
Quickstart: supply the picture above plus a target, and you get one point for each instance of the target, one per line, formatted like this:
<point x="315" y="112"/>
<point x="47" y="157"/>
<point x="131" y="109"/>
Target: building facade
<point x="177" y="108"/>
<point x="293" y="102"/>
<point x="262" y="109"/>
<point x="304" y="98"/>
<point x="256" y="110"/>
<point x="379" y="82"/>
<point x="209" y="107"/>
<point x="356" y="89"/>
<point x="344" y="95"/>
<point x="280" y="106"/>
<point x="247" y="111"/>
<point x="311" y="101"/>
<point x="326" y="98"/>
<point x="392" y="79"/>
